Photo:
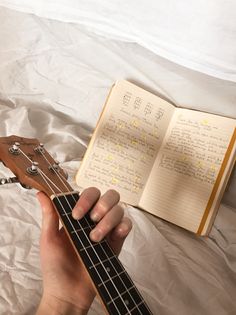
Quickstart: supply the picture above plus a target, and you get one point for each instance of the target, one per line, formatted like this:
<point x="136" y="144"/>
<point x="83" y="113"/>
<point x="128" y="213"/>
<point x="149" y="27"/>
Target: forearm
<point x="54" y="306"/>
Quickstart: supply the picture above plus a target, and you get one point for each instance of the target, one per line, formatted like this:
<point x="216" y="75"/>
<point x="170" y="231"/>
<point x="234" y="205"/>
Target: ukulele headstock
<point x="33" y="165"/>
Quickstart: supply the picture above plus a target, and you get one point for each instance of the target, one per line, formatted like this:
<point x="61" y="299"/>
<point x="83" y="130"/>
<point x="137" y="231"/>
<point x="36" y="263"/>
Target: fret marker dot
<point x="127" y="302"/>
<point x="108" y="269"/>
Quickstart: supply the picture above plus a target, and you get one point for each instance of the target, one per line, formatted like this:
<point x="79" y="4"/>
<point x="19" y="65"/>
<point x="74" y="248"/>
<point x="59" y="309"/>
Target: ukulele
<point x="35" y="168"/>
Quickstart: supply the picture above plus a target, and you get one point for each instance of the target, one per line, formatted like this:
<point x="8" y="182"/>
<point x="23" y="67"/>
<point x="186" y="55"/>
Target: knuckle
<point x="102" y="206"/>
<point x="82" y="203"/>
<point x="114" y="193"/>
<point x="103" y="229"/>
<point x="107" y="227"/>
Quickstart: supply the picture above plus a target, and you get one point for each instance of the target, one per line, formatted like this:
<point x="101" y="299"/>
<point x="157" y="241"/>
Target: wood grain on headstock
<point x="18" y="164"/>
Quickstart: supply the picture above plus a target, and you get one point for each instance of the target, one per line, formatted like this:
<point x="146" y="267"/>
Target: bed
<point x="55" y="74"/>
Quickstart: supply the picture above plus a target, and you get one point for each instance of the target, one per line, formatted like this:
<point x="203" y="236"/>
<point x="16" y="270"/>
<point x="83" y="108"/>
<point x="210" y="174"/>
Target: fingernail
<point x="96" y="235"/>
<point x="94" y="216"/>
<point x="77" y="213"/>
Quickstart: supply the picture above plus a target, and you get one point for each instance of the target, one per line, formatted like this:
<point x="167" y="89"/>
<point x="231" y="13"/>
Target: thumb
<point x="50" y="221"/>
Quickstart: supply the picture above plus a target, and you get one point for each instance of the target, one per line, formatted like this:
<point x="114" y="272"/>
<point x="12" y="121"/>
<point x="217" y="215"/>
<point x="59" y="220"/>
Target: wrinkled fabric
<point x="54" y="79"/>
<point x="199" y="35"/>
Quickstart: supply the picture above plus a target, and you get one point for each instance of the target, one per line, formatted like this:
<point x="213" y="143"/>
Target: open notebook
<point x="172" y="162"/>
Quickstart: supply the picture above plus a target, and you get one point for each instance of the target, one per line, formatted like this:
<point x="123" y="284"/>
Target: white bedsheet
<point x="196" y="34"/>
<point x="54" y="78"/>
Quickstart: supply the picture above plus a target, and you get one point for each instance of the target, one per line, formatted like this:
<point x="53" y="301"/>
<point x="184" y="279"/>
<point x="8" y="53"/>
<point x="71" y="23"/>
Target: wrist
<point x="51" y="305"/>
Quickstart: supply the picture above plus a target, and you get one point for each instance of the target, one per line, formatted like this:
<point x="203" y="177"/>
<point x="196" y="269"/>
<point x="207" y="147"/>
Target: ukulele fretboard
<point x="116" y="289"/>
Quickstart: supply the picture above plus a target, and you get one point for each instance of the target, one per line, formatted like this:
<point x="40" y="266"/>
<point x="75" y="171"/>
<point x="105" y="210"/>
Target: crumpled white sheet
<point x="199" y="35"/>
<point x="53" y="82"/>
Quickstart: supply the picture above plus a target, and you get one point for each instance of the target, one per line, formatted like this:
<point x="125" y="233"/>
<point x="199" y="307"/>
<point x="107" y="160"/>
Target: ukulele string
<point x="60" y="177"/>
<point x="46" y="179"/>
<point x="63" y="181"/>
<point x="44" y="176"/>
<point x="40" y="171"/>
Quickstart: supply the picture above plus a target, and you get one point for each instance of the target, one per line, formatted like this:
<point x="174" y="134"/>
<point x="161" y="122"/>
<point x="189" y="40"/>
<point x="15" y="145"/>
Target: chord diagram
<point x="159" y="114"/>
<point x="127" y="98"/>
<point x="148" y="109"/>
<point x="137" y="103"/>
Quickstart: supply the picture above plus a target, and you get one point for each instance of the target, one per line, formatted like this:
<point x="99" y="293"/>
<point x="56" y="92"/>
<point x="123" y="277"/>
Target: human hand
<point x="67" y="288"/>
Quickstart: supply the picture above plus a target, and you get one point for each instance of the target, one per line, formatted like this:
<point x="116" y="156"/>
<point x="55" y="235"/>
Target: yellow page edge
<point x="217" y="183"/>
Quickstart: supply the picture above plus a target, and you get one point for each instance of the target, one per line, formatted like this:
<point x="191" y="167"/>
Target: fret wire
<point x="118" y="276"/>
<point x="127" y="275"/>
<point x="137" y="305"/>
<point x="133" y="287"/>
<point x="107" y="259"/>
<point x="66" y="213"/>
<point x="88" y="247"/>
<point x="113" y="278"/>
<point x="84" y="227"/>
<point x="79" y="230"/>
<point x="122" y="268"/>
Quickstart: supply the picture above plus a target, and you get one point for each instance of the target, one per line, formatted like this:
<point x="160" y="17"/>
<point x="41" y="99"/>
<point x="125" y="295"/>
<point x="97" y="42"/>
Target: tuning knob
<point x="10" y="180"/>
<point x="33" y="169"/>
<point x="14" y="149"/>
<point x="54" y="166"/>
<point x="40" y="148"/>
<point x="3" y="181"/>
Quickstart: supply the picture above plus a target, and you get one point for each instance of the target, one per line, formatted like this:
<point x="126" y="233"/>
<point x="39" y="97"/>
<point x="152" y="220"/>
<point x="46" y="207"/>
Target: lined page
<point x="186" y="167"/>
<point x="125" y="144"/>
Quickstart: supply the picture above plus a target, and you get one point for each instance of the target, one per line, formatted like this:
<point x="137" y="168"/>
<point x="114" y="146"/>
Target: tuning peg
<point x="10" y="180"/>
<point x="40" y="148"/>
<point x="33" y="169"/>
<point x="54" y="166"/>
<point x="14" y="149"/>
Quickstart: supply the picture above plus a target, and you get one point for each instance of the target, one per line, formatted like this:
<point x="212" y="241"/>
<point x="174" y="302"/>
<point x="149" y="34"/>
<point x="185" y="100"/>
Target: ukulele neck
<point x="35" y="167"/>
<point x="114" y="286"/>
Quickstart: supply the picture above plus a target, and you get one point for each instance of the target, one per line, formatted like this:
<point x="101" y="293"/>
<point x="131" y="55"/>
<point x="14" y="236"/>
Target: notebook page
<point x="125" y="144"/>
<point x="184" y="173"/>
